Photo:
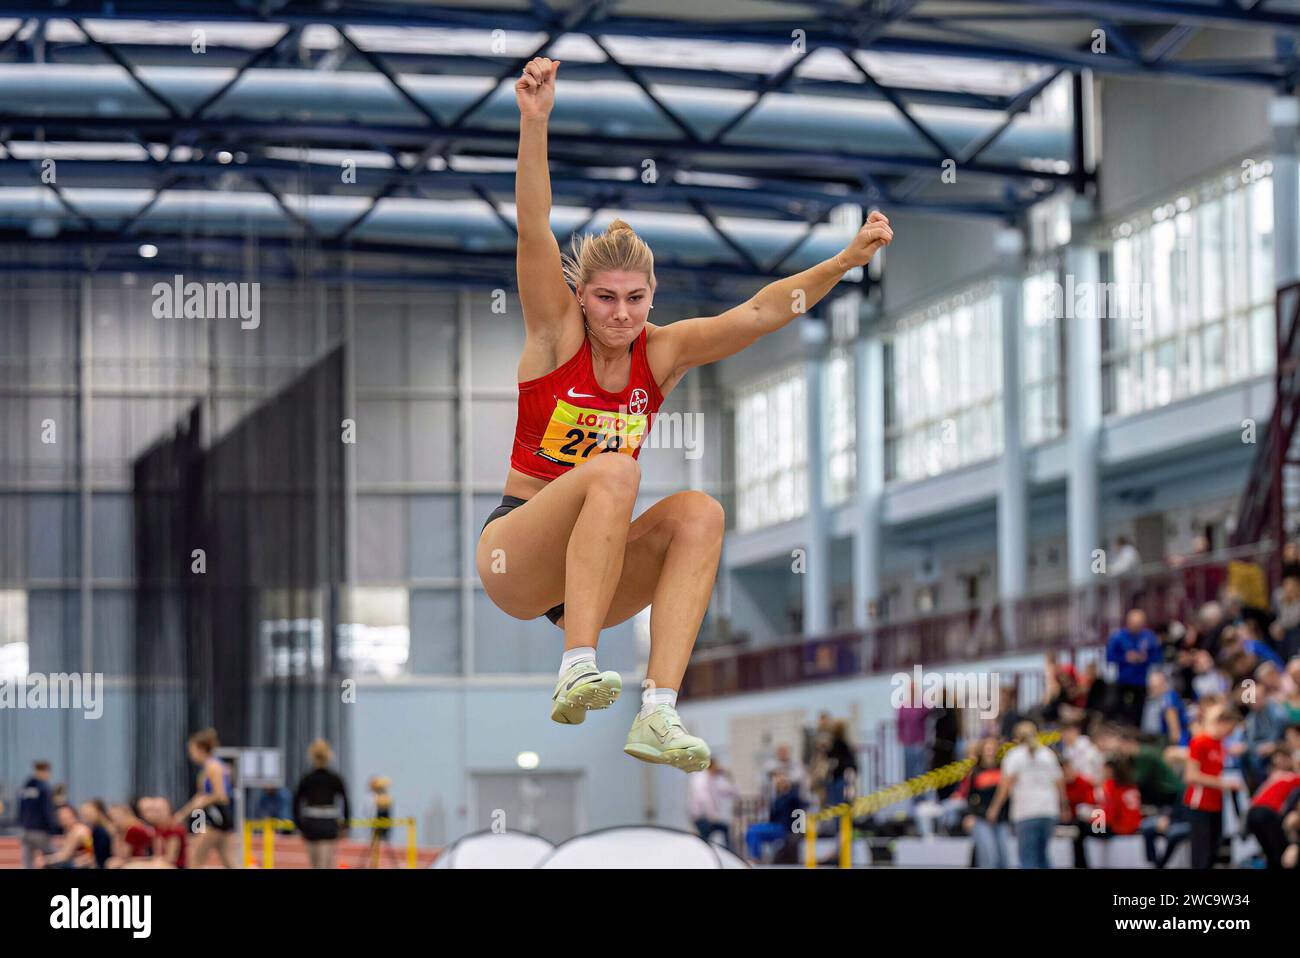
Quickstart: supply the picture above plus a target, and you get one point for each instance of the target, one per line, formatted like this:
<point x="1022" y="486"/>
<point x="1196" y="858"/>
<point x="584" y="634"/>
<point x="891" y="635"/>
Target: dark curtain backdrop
<point x="248" y="646"/>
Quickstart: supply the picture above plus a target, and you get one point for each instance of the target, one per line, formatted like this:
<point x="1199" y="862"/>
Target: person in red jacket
<point x="1206" y="784"/>
<point x="1264" y="818"/>
<point x="1121" y="800"/>
<point x="1116" y="808"/>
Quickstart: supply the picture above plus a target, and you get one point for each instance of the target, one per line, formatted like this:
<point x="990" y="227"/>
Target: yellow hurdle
<point x="269" y="826"/>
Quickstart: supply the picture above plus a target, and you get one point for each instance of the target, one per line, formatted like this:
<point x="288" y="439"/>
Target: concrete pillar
<point x="817" y="568"/>
<point x="869" y="416"/>
<point x="1083" y="395"/>
<point x="1284" y="117"/>
<point x="1013" y="497"/>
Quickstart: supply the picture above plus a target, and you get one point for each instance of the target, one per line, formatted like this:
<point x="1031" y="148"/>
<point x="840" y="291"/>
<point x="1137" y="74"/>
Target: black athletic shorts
<point x="514" y="502"/>
<point x="220" y="816"/>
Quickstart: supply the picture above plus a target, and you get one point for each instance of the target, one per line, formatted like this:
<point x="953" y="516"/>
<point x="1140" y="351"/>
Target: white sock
<point x="654" y="697"/>
<point x="573" y="656"/>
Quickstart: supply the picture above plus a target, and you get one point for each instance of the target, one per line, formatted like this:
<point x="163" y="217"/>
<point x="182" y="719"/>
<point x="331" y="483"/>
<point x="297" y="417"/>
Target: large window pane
<point x="1205" y="259"/>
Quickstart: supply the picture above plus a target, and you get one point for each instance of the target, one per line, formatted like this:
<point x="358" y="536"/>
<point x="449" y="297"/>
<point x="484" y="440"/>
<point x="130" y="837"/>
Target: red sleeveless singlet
<point x="565" y="417"/>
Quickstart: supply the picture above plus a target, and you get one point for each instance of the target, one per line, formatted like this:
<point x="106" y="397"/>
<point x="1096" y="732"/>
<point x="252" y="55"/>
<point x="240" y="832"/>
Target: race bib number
<point x="574" y="434"/>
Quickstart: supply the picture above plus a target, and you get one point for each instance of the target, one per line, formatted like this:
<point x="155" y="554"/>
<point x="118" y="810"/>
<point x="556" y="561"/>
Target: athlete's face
<point x="616" y="306"/>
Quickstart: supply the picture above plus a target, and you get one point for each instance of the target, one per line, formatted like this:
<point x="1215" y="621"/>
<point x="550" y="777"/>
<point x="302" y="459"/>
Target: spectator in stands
<point x="36" y="814"/>
<point x="910" y="721"/>
<point x="779" y="828"/>
<point x="1165" y="714"/>
<point x="1032" y="777"/>
<point x="789" y="766"/>
<point x="1064" y="693"/>
<point x="708" y="802"/>
<point x="1285" y="629"/>
<point x="1097" y="689"/>
<point x="76" y="847"/>
<point x="1079" y="750"/>
<point x="1264" y="724"/>
<point x="842" y="765"/>
<point x="95" y="815"/>
<point x="1290" y="699"/>
<point x="943" y="747"/>
<point x="1117" y="808"/>
<point x="978" y="788"/>
<point x="1273" y="800"/>
<point x="1126" y="560"/>
<point x="1291" y="560"/>
<point x="1202" y="579"/>
<point x="1132" y="650"/>
<point x="1209" y="681"/>
<point x="1206" y="784"/>
<point x="1009" y="714"/>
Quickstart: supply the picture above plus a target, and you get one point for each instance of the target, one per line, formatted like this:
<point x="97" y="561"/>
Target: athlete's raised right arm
<point x="545" y="298"/>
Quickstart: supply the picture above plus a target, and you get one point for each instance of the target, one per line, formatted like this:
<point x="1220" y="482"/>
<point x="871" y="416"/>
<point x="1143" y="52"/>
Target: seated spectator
<point x="1290" y="560"/>
<point x="134" y="836"/>
<point x="1118" y="810"/>
<point x="1272" y="801"/>
<point x="1209" y="680"/>
<point x="708" y="803"/>
<point x="1285" y="630"/>
<point x="169" y="834"/>
<point x="779" y="828"/>
<point x="1290" y="699"/>
<point x="1078" y="749"/>
<point x="1263" y="727"/>
<point x="1253" y="641"/>
<point x="785" y="763"/>
<point x="1165" y="714"/>
<point x="95" y="815"/>
<point x="76" y="847"/>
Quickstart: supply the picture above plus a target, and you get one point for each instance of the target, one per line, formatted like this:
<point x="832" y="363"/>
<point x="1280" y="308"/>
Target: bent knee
<point x="613" y="472"/>
<point x="699" y="514"/>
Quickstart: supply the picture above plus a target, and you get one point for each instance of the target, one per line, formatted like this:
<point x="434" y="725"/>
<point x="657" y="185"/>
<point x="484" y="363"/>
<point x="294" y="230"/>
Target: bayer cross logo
<point x="638" y="402"/>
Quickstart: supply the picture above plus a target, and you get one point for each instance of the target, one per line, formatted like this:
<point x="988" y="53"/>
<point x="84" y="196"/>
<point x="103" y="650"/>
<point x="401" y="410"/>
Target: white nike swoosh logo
<point x="581" y="395"/>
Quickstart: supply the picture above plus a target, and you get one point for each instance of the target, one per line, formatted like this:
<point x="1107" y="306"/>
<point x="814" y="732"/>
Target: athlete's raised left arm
<point x="707" y="339"/>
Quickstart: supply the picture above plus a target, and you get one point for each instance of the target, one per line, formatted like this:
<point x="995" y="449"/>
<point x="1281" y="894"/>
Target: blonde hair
<point x="618" y="248"/>
<point x="319" y="753"/>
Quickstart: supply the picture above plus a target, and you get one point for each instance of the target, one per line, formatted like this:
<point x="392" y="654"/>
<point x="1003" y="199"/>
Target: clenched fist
<point x="535" y="88"/>
<point x="875" y="233"/>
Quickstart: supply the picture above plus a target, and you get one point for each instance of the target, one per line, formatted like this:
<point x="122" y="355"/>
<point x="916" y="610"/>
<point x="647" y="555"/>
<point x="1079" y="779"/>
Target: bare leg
<point x="670" y="564"/>
<point x="588" y="513"/>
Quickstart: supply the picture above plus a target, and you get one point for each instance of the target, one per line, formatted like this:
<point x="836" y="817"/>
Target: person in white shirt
<point x="709" y="802"/>
<point x="784" y="763"/>
<point x="1082" y="752"/>
<point x="1032" y="776"/>
<point x="1126" y="559"/>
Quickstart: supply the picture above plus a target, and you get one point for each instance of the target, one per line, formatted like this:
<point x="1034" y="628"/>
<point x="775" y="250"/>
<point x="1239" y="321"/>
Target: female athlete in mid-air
<point x="592" y="376"/>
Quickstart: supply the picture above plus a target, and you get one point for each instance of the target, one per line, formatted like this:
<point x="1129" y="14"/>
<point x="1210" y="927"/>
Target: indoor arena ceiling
<point x="733" y="129"/>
